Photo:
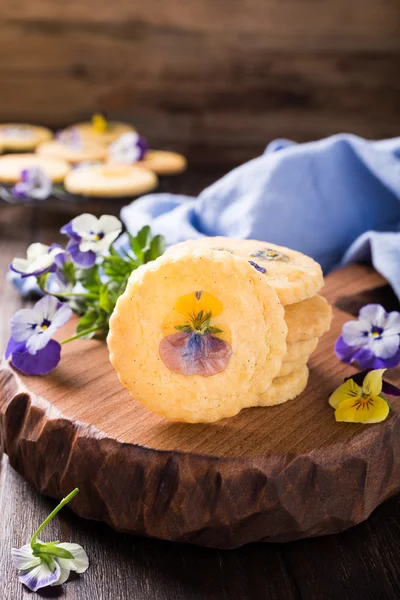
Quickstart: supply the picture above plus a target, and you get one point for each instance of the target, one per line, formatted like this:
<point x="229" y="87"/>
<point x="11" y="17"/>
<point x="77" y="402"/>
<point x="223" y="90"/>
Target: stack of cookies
<point x="96" y="159"/>
<point x="217" y="325"/>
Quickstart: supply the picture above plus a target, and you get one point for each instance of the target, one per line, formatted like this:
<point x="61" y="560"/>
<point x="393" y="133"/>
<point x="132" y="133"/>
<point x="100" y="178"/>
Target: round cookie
<point x="22" y="137"/>
<point x="87" y="151"/>
<point x="286" y="388"/>
<point x="289" y="366"/>
<point x="110" y="181"/>
<point x="196" y="337"/>
<point x="111" y="131"/>
<point x="308" y="319"/>
<point x="164" y="163"/>
<point x="11" y="166"/>
<point x="300" y="350"/>
<point x="293" y="275"/>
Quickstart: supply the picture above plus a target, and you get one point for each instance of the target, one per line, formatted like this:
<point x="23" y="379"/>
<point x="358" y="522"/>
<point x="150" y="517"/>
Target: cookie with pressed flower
<point x="308" y="319"/>
<point x="110" y="181"/>
<point x="293" y="275"/>
<point x="74" y="153"/>
<point x="285" y="388"/>
<point x="22" y="137"/>
<point x="100" y="130"/>
<point x="300" y="350"/>
<point x="11" y="166"/>
<point x="164" y="163"/>
<point x="197" y="336"/>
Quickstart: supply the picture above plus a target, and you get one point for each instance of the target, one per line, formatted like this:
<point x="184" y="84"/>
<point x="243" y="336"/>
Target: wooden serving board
<point x="268" y="474"/>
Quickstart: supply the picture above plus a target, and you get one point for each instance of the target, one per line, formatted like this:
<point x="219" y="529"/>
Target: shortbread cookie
<point x="11" y="166"/>
<point x="101" y="131"/>
<point x="86" y="151"/>
<point x="308" y="319"/>
<point x="197" y="336"/>
<point x="110" y="181"/>
<point x="22" y="137"/>
<point x="164" y="163"/>
<point x="289" y="366"/>
<point x="298" y="350"/>
<point x="293" y="275"/>
<point x="286" y="388"/>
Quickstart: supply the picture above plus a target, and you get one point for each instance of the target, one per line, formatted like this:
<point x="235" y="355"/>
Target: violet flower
<point x="34" y="183"/>
<point x="90" y="236"/>
<point x="30" y="347"/>
<point x="128" y="148"/>
<point x="40" y="259"/>
<point x="373" y="340"/>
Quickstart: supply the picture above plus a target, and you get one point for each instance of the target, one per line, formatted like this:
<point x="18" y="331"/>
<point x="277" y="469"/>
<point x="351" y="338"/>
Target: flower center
<point x="97" y="236"/>
<point x="376" y="332"/>
<point x="363" y="402"/>
<point x="45" y="324"/>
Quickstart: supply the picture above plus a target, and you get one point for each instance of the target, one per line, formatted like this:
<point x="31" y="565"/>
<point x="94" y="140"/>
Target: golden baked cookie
<point x="100" y="130"/>
<point x="288" y="366"/>
<point x="164" y="163"/>
<point x="298" y="350"/>
<point x="286" y="388"/>
<point x="308" y="319"/>
<point x="22" y="137"/>
<point x="110" y="181"/>
<point x="86" y="151"/>
<point x="197" y="336"/>
<point x="293" y="275"/>
<point x="11" y="166"/>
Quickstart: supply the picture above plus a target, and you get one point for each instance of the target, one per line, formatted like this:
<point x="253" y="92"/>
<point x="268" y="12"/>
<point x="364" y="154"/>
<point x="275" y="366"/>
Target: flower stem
<point x="51" y="516"/>
<point x="81" y="334"/>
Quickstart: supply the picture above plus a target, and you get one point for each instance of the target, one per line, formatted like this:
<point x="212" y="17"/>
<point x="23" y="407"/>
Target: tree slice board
<point x="268" y="474"/>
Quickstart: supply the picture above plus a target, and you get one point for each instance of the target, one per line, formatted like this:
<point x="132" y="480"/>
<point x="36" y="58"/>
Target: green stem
<point x="51" y="516"/>
<point x="81" y="334"/>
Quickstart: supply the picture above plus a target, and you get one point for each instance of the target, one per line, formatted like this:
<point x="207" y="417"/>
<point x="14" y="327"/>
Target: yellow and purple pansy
<point x="196" y="342"/>
<point x="270" y="254"/>
<point x="354" y="403"/>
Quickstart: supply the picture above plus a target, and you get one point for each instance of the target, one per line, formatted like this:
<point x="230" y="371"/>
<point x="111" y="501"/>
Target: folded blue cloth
<point x="335" y="199"/>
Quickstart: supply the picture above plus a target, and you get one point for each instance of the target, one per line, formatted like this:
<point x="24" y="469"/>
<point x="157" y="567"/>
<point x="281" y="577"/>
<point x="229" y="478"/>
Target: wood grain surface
<point x="215" y="80"/>
<point x="359" y="564"/>
<point x="268" y="474"/>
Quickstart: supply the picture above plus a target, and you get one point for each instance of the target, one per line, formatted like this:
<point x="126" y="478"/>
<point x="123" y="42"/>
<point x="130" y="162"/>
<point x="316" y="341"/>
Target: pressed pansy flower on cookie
<point x="270" y="254"/>
<point x="195" y="345"/>
<point x="34" y="183"/>
<point x="373" y="340"/>
<point x="128" y="148"/>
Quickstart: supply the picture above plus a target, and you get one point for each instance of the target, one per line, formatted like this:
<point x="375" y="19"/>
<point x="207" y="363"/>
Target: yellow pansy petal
<point x="99" y="123"/>
<point x="373" y="409"/>
<point x="192" y="304"/>
<point x="372" y="384"/>
<point x="348" y="389"/>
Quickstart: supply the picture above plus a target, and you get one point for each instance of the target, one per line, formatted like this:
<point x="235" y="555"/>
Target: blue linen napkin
<point x="336" y="199"/>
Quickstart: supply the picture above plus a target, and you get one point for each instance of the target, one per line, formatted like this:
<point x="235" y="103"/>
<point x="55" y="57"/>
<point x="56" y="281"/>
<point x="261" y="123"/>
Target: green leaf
<point x="157" y="248"/>
<point x="69" y="272"/>
<point x="89" y="278"/>
<point x="90" y="319"/>
<point x="105" y="301"/>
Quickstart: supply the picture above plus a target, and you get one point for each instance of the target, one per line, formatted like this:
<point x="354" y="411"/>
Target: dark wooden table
<point x="361" y="563"/>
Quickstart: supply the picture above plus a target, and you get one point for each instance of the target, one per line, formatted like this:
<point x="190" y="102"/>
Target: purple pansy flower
<point x="40" y="259"/>
<point x="128" y="148"/>
<point x="70" y="137"/>
<point x="90" y="236"/>
<point x="34" y="183"/>
<point x="373" y="340"/>
<point x="30" y="346"/>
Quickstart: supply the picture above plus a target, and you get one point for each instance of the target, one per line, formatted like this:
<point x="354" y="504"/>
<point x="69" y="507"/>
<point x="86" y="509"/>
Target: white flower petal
<point x="40" y="576"/>
<point x="46" y="308"/>
<point x="40" y="263"/>
<point x="109" y="223"/>
<point x="23" y="324"/>
<point x="384" y="347"/>
<point x="392" y="326"/>
<point x="375" y="314"/>
<point x="23" y="558"/>
<point x="353" y="334"/>
<point x="20" y="264"/>
<point x="35" y="250"/>
<point x="84" y="224"/>
<point x="64" y="572"/>
<point x="61" y="316"/>
<point x="80" y="562"/>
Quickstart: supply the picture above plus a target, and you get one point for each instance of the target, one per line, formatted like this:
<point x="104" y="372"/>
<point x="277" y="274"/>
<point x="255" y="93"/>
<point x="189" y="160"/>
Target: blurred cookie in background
<point x="113" y="181"/>
<point x="22" y="137"/>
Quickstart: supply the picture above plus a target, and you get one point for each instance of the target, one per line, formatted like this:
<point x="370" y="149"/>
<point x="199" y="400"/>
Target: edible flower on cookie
<point x="196" y="343"/>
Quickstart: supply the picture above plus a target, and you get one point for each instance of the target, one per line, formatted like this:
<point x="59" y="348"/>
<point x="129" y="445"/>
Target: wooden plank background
<point x="216" y="79"/>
